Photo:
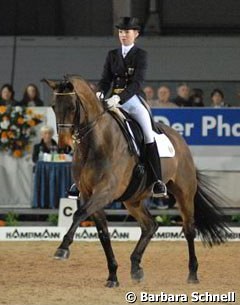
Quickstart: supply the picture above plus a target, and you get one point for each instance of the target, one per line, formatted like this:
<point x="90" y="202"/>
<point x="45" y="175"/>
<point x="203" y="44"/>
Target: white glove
<point x="113" y="101"/>
<point x="99" y="95"/>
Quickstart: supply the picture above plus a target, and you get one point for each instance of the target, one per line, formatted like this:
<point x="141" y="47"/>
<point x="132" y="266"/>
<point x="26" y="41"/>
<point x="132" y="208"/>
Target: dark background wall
<point x="56" y="17"/>
<point x="204" y="16"/>
<point x="95" y="18"/>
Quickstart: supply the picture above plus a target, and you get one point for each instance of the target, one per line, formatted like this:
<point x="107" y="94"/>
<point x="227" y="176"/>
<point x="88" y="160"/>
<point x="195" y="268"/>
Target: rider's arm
<point x="138" y="77"/>
<point x="107" y="77"/>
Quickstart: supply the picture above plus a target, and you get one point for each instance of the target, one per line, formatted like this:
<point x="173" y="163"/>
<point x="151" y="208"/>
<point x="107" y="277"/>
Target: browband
<point x="66" y="93"/>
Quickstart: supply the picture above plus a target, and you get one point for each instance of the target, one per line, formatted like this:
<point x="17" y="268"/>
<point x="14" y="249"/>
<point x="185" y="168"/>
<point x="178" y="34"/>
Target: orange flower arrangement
<point x="4" y="135"/>
<point x="3" y="109"/>
<point x="17" y="153"/>
<point x="20" y="121"/>
<point x="29" y="111"/>
<point x="16" y="129"/>
<point x="2" y="223"/>
<point x="31" y="123"/>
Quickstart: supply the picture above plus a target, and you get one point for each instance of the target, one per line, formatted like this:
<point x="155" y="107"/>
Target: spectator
<point x="196" y="98"/>
<point x="149" y="92"/>
<point x="183" y="94"/>
<point x="7" y="96"/>
<point x="46" y="144"/>
<point x="31" y="96"/>
<point x="217" y="99"/>
<point x="164" y="94"/>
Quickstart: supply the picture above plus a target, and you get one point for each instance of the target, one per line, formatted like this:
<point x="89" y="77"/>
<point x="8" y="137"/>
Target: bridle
<point x="79" y="131"/>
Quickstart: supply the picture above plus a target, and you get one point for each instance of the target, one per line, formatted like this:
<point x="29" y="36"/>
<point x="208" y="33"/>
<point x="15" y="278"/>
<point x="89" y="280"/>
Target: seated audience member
<point x="46" y="144"/>
<point x="7" y="96"/>
<point x="164" y="94"/>
<point x="149" y="92"/>
<point x="31" y="96"/>
<point x="217" y="99"/>
<point x="183" y="94"/>
<point x="196" y="98"/>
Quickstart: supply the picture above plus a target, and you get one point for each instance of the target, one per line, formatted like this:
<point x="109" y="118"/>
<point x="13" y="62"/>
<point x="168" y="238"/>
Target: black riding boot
<point x="159" y="188"/>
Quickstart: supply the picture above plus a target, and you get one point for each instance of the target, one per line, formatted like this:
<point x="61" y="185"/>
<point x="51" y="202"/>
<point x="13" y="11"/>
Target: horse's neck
<point x="98" y="141"/>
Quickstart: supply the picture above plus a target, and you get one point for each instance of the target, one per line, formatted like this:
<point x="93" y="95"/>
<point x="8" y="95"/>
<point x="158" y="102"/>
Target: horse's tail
<point x="208" y="215"/>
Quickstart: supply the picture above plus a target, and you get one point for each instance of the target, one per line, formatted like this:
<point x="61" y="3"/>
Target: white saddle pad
<point x="164" y="145"/>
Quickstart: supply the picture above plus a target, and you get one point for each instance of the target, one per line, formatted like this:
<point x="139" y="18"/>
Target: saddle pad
<point x="164" y="145"/>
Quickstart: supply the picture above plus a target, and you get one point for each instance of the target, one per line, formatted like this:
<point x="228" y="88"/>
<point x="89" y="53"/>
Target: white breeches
<point x="139" y="113"/>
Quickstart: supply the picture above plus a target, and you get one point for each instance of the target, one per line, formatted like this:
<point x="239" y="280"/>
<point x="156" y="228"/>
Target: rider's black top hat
<point x="128" y="23"/>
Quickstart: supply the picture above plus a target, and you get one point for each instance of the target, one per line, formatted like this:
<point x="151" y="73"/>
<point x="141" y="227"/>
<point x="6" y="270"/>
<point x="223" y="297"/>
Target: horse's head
<point x="67" y="110"/>
<point x="76" y="107"/>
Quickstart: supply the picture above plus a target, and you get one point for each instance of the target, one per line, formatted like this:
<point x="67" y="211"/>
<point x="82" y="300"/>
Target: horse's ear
<point x="52" y="84"/>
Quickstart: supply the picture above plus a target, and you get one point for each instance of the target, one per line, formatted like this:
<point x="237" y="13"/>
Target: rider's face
<point x="127" y="37"/>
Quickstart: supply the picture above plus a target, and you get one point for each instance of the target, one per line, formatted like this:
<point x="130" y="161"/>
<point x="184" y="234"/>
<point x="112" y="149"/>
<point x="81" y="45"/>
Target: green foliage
<point x="11" y="219"/>
<point x="236" y="218"/>
<point x="164" y="220"/>
<point x="53" y="219"/>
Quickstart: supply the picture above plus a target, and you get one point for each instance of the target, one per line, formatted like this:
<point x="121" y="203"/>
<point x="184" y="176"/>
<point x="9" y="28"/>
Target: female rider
<point x="125" y="70"/>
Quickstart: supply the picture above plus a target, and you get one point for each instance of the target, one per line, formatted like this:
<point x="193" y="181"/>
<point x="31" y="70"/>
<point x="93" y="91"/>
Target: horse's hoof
<point x="192" y="279"/>
<point x="138" y="275"/>
<point x="112" y="284"/>
<point x="62" y="254"/>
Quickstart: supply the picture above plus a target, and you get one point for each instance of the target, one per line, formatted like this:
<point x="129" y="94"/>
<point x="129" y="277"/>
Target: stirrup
<point x="159" y="193"/>
<point x="73" y="192"/>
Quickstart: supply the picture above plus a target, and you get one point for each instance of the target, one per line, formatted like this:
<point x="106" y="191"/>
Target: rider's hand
<point x="99" y="95"/>
<point x="113" y="101"/>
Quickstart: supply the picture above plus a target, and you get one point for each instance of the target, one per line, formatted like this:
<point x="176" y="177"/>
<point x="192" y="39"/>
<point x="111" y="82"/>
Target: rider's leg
<point x="159" y="188"/>
<point x="137" y="110"/>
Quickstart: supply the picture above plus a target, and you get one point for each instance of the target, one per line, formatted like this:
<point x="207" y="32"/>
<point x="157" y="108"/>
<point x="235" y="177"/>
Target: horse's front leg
<point x="101" y="225"/>
<point x="63" y="250"/>
<point x="101" y="196"/>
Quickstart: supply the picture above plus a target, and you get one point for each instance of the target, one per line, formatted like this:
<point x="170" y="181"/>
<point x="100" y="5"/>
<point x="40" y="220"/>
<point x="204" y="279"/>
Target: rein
<point x="79" y="132"/>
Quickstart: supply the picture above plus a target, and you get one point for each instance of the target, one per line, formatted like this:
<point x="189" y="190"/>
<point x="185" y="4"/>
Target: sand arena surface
<point x="31" y="276"/>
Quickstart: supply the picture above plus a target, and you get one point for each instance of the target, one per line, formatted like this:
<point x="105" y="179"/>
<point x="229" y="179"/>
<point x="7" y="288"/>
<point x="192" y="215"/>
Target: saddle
<point x="131" y="131"/>
<point x="141" y="175"/>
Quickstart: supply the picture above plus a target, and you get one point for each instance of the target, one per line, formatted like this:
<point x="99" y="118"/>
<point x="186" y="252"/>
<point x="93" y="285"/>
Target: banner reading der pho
<point x="203" y="126"/>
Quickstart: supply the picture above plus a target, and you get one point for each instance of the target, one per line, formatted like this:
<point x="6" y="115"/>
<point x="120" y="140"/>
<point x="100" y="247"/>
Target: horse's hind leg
<point x="101" y="225"/>
<point x="186" y="206"/>
<point x="148" y="227"/>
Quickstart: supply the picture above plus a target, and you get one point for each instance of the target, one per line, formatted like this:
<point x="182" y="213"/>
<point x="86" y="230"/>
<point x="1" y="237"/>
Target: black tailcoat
<point x="124" y="73"/>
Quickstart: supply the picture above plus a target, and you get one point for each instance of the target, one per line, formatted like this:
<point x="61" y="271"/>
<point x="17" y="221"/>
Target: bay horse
<point x="102" y="170"/>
